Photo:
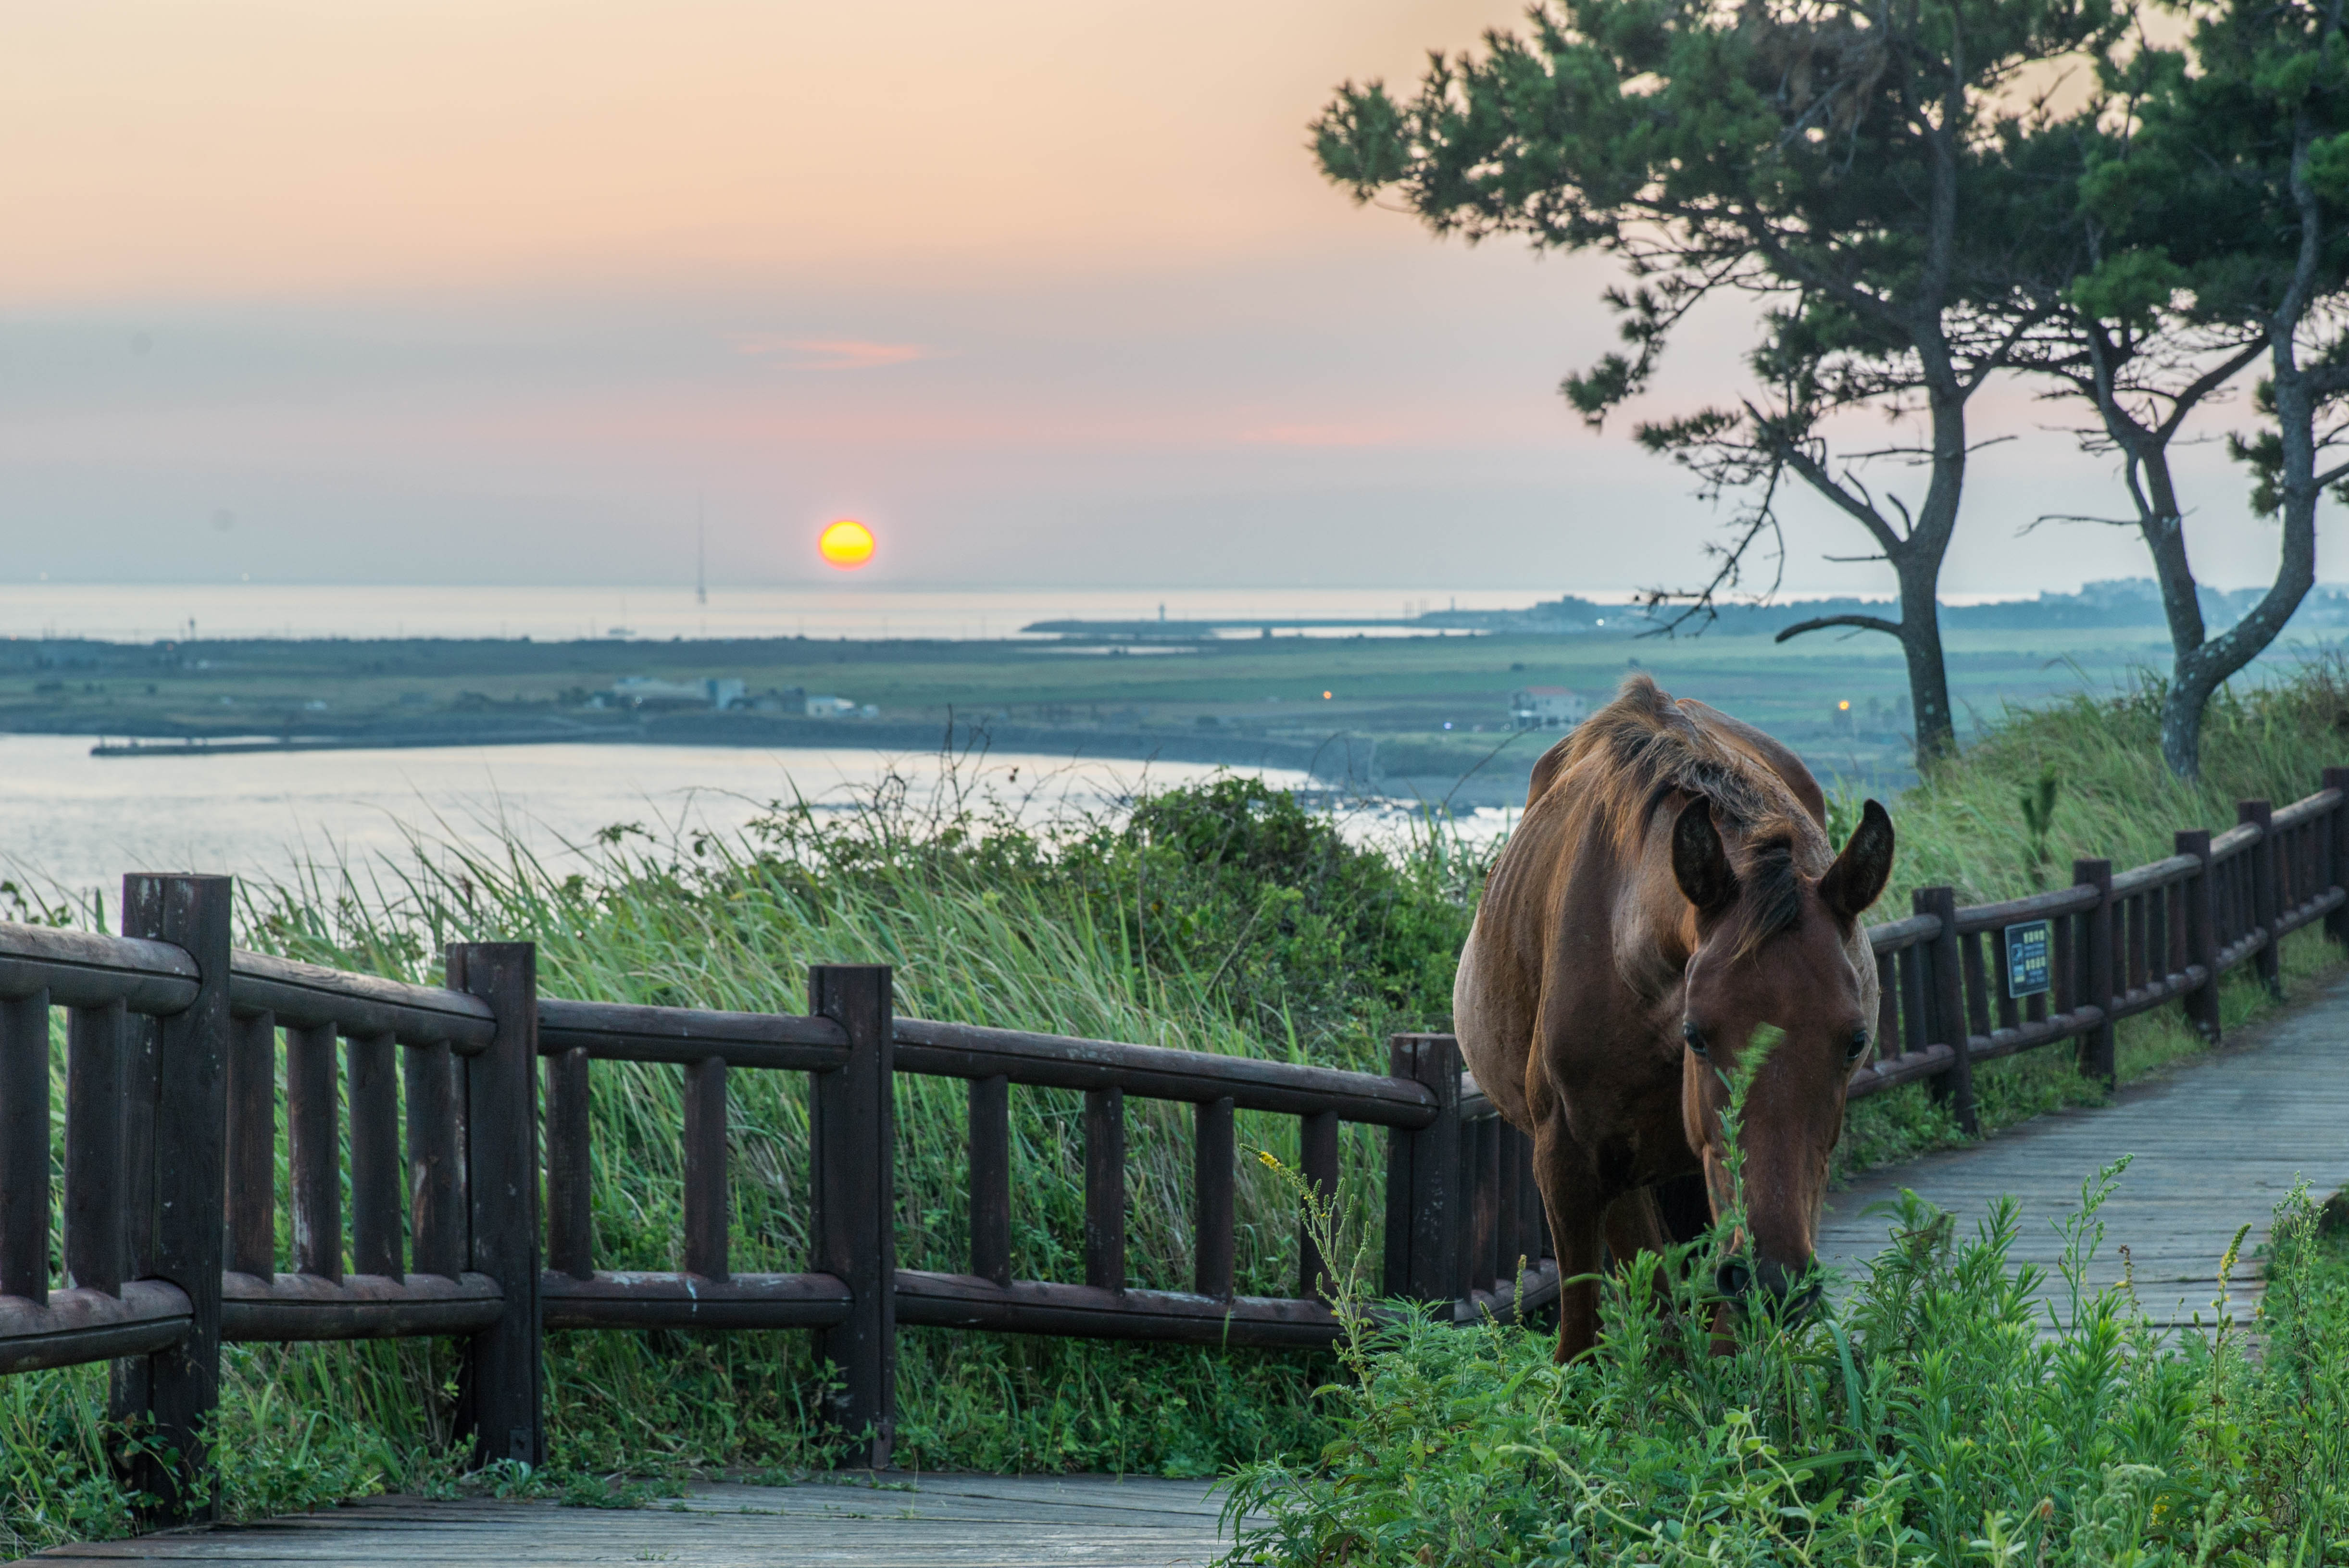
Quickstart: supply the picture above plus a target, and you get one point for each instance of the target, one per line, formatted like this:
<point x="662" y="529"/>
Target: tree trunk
<point x="2201" y="672"/>
<point x="1918" y="563"/>
<point x="2193" y="675"/>
<point x="1928" y="677"/>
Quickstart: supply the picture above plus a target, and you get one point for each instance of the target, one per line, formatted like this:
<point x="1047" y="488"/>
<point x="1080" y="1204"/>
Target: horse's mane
<point x="1642" y="746"/>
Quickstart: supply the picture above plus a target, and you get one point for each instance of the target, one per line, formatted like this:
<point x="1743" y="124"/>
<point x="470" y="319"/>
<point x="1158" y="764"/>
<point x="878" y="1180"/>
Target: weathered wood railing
<point x="430" y="1115"/>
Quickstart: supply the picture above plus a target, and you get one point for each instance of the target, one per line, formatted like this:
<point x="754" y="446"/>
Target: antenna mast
<point x="700" y="552"/>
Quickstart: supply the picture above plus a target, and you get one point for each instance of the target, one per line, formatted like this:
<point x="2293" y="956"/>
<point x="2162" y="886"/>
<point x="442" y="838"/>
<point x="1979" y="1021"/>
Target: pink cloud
<point x="832" y="353"/>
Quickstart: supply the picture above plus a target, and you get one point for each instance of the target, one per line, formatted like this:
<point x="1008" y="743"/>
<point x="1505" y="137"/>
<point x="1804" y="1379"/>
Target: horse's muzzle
<point x="1790" y="1292"/>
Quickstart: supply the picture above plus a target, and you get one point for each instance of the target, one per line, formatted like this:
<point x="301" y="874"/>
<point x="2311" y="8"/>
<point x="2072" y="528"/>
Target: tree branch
<point x="1860" y="622"/>
<point x="2075" y="517"/>
<point x="1814" y="474"/>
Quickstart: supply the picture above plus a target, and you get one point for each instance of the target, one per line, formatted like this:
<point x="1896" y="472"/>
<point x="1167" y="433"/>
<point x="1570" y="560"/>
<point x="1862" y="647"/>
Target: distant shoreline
<point x="1341" y="757"/>
<point x="1342" y="761"/>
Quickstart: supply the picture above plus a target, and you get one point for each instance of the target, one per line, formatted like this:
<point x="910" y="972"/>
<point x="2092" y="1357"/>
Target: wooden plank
<point x="991" y="1178"/>
<point x="687" y="1301"/>
<point x="93" y="1215"/>
<point x="570" y="1168"/>
<point x="1097" y="1312"/>
<point x="2215" y="1144"/>
<point x="904" y="1521"/>
<point x="312" y="995"/>
<point x="1212" y="1186"/>
<point x="621" y="1031"/>
<point x="708" y="1212"/>
<point x="310" y="1106"/>
<point x="373" y="1093"/>
<point x="89" y="969"/>
<point x="25" y="1147"/>
<point x="436" y="1207"/>
<point x="293" y="1306"/>
<point x="1155" y="1072"/>
<point x="1105" y="1188"/>
<point x="253" y="1144"/>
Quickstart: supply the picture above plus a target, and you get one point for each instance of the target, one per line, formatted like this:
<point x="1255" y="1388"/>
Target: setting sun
<point x="847" y="545"/>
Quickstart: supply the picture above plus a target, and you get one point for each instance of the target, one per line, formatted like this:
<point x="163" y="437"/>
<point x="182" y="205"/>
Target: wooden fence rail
<point x="417" y="1161"/>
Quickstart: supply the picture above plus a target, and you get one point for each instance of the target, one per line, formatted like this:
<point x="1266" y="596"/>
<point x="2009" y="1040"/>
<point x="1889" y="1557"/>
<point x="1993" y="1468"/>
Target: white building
<point x="1547" y="707"/>
<point x="647" y="691"/>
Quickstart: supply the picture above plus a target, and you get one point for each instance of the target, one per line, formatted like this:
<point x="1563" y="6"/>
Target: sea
<point x="71" y="824"/>
<point x="139" y="613"/>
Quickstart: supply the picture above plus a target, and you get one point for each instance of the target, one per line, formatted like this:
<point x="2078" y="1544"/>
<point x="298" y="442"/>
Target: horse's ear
<point x="1860" y="873"/>
<point x="1701" y="861"/>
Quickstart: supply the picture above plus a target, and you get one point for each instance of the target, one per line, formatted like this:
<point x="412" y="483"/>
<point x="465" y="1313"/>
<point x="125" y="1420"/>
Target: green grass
<point x="1940" y="1416"/>
<point x="1221" y="919"/>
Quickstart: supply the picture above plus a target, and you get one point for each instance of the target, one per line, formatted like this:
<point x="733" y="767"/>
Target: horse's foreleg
<point x="1570" y="1197"/>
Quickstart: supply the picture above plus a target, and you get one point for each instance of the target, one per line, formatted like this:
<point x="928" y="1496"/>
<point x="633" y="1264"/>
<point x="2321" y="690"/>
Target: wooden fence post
<point x="2201" y="1004"/>
<point x="2095" y="962"/>
<point x="2266" y="886"/>
<point x="1424" y="1205"/>
<point x="1946" y="998"/>
<point x="501" y="1399"/>
<point x="853" y="1126"/>
<point x="2336" y="860"/>
<point x="176" y="1391"/>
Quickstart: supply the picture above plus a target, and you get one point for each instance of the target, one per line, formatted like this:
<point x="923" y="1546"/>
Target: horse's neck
<point x="1654" y="935"/>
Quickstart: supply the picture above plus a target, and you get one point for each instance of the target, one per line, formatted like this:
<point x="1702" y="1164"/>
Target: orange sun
<point x="847" y="545"/>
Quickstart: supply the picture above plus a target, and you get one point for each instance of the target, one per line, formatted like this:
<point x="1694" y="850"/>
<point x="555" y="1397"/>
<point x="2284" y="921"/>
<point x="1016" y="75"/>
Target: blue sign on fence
<point x="2030" y="959"/>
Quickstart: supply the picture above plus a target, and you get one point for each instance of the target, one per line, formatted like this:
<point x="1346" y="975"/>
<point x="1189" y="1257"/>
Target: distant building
<point x="646" y="691"/>
<point x="830" y="707"/>
<point x="1547" y="707"/>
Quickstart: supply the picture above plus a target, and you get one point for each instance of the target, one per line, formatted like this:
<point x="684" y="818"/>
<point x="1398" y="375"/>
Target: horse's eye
<point x="1694" y="1036"/>
<point x="1857" y="1049"/>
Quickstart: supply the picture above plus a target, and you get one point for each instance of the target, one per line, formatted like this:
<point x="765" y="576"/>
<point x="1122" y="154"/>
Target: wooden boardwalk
<point x="2216" y="1144"/>
<point x="926" y="1521"/>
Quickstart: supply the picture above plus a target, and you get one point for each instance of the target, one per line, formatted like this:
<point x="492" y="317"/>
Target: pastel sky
<point x="1045" y="291"/>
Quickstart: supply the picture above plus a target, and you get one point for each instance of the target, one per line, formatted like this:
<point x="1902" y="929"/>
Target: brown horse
<point x="1669" y="889"/>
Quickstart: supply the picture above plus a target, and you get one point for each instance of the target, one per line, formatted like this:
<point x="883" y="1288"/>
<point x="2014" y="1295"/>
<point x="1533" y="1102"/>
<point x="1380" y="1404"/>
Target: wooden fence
<point x="175" y="1075"/>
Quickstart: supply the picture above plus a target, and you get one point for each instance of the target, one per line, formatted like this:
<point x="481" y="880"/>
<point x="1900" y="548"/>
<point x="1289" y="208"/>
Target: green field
<point x="1437" y="705"/>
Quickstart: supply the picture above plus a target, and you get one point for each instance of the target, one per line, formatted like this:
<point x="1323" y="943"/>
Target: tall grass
<point x="1221" y="918"/>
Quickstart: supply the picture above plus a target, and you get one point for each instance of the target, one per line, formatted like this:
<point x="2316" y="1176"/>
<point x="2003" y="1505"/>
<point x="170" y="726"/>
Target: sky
<point x="1045" y="291"/>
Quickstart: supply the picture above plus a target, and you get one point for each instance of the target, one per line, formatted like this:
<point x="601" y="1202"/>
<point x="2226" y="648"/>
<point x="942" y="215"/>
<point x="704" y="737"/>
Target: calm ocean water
<point x="73" y="822"/>
<point x="146" y="611"/>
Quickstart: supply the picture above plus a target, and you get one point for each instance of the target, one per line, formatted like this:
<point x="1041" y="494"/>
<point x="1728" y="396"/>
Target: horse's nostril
<point x="1733" y="1278"/>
